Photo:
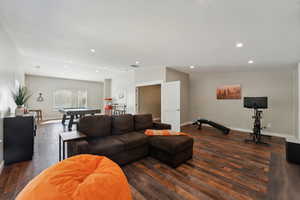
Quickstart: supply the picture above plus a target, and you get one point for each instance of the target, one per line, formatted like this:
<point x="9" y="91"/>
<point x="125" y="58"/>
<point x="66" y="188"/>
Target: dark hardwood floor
<point x="223" y="167"/>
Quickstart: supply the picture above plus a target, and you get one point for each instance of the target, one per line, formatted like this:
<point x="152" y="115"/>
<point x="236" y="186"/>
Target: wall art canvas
<point x="229" y="92"/>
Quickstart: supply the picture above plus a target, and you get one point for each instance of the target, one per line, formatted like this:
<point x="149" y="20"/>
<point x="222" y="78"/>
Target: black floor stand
<point x="256" y="141"/>
<point x="256" y="135"/>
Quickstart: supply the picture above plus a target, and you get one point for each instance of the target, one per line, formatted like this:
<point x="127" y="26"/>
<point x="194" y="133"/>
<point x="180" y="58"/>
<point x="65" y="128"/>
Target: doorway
<point x="149" y="100"/>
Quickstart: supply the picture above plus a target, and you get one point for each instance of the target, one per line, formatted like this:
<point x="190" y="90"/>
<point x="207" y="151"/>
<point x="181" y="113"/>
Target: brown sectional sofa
<point x="122" y="139"/>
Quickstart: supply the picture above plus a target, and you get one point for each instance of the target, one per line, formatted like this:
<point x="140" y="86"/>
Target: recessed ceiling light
<point x="239" y="45"/>
<point x="93" y="50"/>
<point x="250" y="62"/>
<point x="97" y="70"/>
<point x="66" y="66"/>
<point x="137" y="62"/>
<point x="192" y="67"/>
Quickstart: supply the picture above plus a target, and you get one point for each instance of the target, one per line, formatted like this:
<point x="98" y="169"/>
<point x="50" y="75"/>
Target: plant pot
<point x="20" y="110"/>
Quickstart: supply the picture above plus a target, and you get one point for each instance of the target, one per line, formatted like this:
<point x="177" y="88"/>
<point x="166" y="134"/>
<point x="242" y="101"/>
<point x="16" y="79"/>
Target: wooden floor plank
<point x="223" y="168"/>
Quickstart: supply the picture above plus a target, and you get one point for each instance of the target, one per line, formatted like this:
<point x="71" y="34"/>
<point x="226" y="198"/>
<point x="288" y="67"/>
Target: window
<point x="67" y="98"/>
<point x="82" y="98"/>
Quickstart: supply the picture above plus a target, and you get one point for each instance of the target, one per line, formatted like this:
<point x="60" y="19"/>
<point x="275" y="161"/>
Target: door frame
<point x="149" y="83"/>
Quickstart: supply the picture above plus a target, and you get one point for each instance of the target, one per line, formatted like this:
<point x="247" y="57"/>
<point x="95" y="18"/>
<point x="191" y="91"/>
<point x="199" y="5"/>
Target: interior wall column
<point x="107" y="88"/>
<point x="298" y="93"/>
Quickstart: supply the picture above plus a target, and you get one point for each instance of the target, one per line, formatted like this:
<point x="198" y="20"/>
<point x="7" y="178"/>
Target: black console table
<point x="65" y="137"/>
<point x="293" y="150"/>
<point x="18" y="138"/>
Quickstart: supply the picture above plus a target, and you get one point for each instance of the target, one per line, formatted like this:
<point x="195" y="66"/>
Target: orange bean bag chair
<point x="83" y="177"/>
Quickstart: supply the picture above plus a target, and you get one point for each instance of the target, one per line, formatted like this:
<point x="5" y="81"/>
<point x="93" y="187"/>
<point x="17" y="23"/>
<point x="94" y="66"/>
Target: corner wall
<point x="278" y="85"/>
<point x="10" y="73"/>
<point x="47" y="86"/>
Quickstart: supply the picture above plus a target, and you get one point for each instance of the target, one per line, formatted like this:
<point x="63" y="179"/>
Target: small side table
<point x="65" y="137"/>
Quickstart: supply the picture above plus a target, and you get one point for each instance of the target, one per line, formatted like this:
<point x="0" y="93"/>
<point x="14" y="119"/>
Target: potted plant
<point x="20" y="96"/>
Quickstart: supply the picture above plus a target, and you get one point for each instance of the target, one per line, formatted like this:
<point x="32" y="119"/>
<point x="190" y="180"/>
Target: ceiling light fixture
<point x="192" y="67"/>
<point x="250" y="62"/>
<point x="97" y="70"/>
<point x="93" y="50"/>
<point x="137" y="62"/>
<point x="239" y="45"/>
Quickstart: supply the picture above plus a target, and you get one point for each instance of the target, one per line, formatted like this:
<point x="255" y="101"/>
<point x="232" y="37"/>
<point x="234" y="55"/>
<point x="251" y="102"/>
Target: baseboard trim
<point x="268" y="133"/>
<point x="1" y="166"/>
<point x="263" y="132"/>
<point x="186" y="123"/>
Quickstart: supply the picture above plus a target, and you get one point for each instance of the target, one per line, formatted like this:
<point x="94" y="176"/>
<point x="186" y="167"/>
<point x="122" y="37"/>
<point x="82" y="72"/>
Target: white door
<point x="171" y="104"/>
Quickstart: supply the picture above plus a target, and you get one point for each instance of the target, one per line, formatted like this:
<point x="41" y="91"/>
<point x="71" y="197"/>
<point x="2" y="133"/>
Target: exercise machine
<point x="256" y="103"/>
<point x="220" y="127"/>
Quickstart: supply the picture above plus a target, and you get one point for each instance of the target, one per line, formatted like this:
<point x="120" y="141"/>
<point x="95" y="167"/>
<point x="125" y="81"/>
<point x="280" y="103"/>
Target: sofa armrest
<point x="161" y="126"/>
<point x="78" y="147"/>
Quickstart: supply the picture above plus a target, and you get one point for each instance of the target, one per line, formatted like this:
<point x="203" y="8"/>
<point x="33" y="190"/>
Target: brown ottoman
<point x="172" y="150"/>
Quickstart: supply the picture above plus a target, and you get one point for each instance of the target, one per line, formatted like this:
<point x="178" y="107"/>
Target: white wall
<point x="297" y="88"/>
<point x="281" y="85"/>
<point x="9" y="73"/>
<point x="150" y="74"/>
<point x="124" y="83"/>
<point x="47" y="86"/>
<point x="278" y="85"/>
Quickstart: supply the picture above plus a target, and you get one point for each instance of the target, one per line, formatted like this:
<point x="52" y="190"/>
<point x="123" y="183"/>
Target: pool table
<point x="72" y="113"/>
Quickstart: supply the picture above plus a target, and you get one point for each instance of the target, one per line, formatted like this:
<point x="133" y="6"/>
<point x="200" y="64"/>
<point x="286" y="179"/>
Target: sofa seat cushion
<point x="80" y="177"/>
<point x="171" y="144"/>
<point x="143" y="122"/>
<point x="122" y="124"/>
<point x="132" y="140"/>
<point x="107" y="146"/>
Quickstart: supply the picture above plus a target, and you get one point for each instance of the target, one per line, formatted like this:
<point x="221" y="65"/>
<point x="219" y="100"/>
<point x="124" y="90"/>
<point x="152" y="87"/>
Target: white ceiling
<point x="157" y="33"/>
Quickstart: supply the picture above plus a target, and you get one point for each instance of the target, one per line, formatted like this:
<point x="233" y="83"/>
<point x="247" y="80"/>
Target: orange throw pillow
<point x="151" y="132"/>
<point x="83" y="177"/>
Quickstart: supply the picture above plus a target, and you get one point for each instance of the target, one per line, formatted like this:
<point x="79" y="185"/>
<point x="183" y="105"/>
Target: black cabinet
<point x="293" y="151"/>
<point x="18" y="138"/>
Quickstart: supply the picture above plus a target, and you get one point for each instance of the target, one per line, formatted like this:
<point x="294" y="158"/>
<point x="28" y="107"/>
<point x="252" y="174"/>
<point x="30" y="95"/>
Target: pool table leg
<point x="59" y="142"/>
<point x="71" y="122"/>
<point x="64" y="119"/>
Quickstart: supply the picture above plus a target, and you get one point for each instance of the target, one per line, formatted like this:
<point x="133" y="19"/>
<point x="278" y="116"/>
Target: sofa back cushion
<point x="122" y="124"/>
<point x="95" y="126"/>
<point x="143" y="122"/>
